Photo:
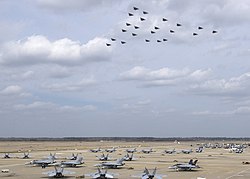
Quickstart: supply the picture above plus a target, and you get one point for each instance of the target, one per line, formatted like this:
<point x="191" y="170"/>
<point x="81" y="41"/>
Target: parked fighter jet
<point x="43" y="163"/>
<point x="199" y="150"/>
<point x="131" y="150"/>
<point x="185" y="166"/>
<point x="25" y="155"/>
<point x="111" y="150"/>
<point x="147" y="151"/>
<point x="187" y="151"/>
<point x="128" y="158"/>
<point x="6" y="155"/>
<point x="169" y="151"/>
<point x="104" y="157"/>
<point x="95" y="150"/>
<point x="147" y="175"/>
<point x="59" y="172"/>
<point x="114" y="165"/>
<point x="101" y="174"/>
<point x="73" y="157"/>
<point x="74" y="163"/>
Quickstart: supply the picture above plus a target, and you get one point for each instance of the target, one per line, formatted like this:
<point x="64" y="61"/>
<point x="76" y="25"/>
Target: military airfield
<point x="215" y="161"/>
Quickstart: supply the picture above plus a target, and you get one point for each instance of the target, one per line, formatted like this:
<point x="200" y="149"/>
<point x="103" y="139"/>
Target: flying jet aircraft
<point x="185" y="166"/>
<point x="101" y="174"/>
<point x="59" y="172"/>
<point x="74" y="163"/>
<point x="147" y="175"/>
<point x="119" y="163"/>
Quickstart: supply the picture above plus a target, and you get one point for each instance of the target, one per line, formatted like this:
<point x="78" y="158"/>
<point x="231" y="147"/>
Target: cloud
<point x="83" y="84"/>
<point x="75" y="5"/>
<point x="39" y="50"/>
<point x="163" y="76"/>
<point x="235" y="86"/>
<point x="11" y="90"/>
<point x="49" y="106"/>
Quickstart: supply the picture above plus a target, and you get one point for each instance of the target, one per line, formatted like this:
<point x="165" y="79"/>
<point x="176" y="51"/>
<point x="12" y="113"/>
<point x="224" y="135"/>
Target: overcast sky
<point x="58" y="78"/>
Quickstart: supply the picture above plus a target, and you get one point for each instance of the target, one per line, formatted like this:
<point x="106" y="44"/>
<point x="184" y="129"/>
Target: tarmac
<point x="218" y="163"/>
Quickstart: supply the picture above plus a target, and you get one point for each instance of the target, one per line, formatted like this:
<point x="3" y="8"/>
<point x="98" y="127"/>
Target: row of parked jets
<point x="75" y="160"/>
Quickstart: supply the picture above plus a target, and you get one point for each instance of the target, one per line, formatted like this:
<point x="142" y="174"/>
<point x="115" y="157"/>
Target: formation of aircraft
<point x="149" y="175"/>
<point x="185" y="166"/>
<point x="119" y="163"/>
<point x="78" y="161"/>
<point x="136" y="26"/>
<point x="58" y="172"/>
<point x="100" y="174"/>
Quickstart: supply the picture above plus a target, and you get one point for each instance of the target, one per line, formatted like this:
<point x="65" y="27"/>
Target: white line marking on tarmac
<point x="237" y="174"/>
<point x="13" y="165"/>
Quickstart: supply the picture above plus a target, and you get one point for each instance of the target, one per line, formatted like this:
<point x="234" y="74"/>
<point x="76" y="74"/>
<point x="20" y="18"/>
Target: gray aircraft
<point x="187" y="151"/>
<point x="95" y="150"/>
<point x="147" y="151"/>
<point x="128" y="157"/>
<point x="101" y="174"/>
<point x="169" y="151"/>
<point x="147" y="175"/>
<point x="185" y="166"/>
<point x="73" y="157"/>
<point x="111" y="150"/>
<point x="6" y="155"/>
<point x="59" y="172"/>
<point x="42" y="163"/>
<point x="25" y="155"/>
<point x="74" y="163"/>
<point x="103" y="157"/>
<point x="119" y="163"/>
<point x="131" y="150"/>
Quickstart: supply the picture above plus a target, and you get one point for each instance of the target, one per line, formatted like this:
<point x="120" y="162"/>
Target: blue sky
<point x="58" y="77"/>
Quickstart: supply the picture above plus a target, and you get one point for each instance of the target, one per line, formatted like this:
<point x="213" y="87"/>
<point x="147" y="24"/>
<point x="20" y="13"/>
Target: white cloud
<point x="164" y="76"/>
<point x="39" y="50"/>
<point x="83" y="84"/>
<point x="12" y="90"/>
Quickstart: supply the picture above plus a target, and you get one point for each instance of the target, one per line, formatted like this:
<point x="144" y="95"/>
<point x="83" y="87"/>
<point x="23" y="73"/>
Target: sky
<point x="58" y="78"/>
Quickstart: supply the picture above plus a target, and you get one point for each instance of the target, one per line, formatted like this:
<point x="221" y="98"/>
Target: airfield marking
<point x="4" y="166"/>
<point x="237" y="174"/>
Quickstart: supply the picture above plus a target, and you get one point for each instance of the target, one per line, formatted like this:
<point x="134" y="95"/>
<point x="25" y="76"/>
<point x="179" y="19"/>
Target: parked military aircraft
<point x="199" y="150"/>
<point x="131" y="150"/>
<point x="95" y="150"/>
<point x="185" y="166"/>
<point x="103" y="157"/>
<point x="6" y="155"/>
<point x="74" y="163"/>
<point x="128" y="158"/>
<point x="59" y="172"/>
<point x="114" y="165"/>
<point x="111" y="150"/>
<point x="43" y="163"/>
<point x="101" y="174"/>
<point x="147" y="175"/>
<point x="73" y="157"/>
<point x="187" y="151"/>
<point x="147" y="151"/>
<point x="25" y="155"/>
<point x="169" y="151"/>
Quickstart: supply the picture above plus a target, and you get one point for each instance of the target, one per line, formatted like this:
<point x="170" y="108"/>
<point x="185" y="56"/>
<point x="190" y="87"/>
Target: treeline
<point x="126" y="139"/>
